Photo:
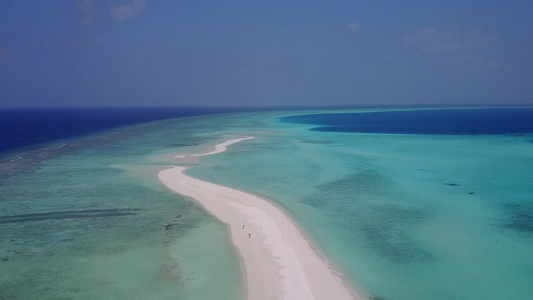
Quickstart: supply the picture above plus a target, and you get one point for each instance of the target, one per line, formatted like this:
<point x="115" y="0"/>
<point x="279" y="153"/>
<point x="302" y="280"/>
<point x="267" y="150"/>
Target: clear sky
<point x="263" y="53"/>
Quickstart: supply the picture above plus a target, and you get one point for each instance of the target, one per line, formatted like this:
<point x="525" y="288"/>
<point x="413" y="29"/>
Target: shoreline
<point x="278" y="261"/>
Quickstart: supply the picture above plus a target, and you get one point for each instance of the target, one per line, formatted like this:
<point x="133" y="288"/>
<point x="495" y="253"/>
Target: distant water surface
<point x="424" y="121"/>
<point x="31" y="126"/>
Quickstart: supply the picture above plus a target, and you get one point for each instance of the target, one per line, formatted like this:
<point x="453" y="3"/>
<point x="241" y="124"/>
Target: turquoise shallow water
<point x="93" y="222"/>
<point x="402" y="216"/>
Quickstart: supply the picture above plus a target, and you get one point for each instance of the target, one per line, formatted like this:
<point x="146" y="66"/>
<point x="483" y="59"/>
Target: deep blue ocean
<point x="26" y="127"/>
<point x="477" y="121"/>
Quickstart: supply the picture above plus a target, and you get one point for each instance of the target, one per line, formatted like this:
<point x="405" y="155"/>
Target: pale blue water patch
<point x="403" y="216"/>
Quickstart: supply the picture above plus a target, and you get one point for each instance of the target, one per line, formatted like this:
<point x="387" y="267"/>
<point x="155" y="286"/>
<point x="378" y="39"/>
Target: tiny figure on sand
<point x="242" y="226"/>
<point x="249" y="235"/>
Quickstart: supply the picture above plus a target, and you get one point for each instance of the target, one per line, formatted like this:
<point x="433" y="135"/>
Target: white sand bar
<point x="218" y="148"/>
<point x="278" y="261"/>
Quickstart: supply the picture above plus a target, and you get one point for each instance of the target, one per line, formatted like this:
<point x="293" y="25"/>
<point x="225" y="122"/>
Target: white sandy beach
<point x="278" y="261"/>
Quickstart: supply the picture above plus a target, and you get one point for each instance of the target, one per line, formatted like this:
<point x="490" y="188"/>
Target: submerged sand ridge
<point x="278" y="261"/>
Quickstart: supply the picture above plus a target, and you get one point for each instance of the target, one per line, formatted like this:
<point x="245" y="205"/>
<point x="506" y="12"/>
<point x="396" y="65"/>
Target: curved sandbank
<point x="278" y="261"/>
<point x="218" y="148"/>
